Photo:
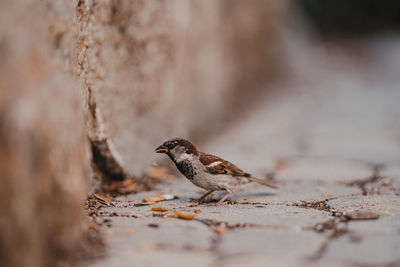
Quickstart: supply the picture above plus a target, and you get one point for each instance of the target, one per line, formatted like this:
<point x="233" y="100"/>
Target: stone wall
<point x="43" y="144"/>
<point x="126" y="74"/>
<point x="160" y="69"/>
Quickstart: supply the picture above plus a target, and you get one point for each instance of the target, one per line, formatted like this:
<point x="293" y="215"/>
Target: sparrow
<point x="206" y="171"/>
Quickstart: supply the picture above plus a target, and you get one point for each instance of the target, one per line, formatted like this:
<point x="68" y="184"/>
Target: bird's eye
<point x="170" y="145"/>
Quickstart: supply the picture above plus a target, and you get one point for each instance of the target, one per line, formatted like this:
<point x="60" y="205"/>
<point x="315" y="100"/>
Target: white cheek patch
<point x="214" y="164"/>
<point x="184" y="156"/>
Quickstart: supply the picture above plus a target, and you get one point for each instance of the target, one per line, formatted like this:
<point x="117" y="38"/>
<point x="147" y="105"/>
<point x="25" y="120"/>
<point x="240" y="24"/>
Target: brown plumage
<point x="224" y="167"/>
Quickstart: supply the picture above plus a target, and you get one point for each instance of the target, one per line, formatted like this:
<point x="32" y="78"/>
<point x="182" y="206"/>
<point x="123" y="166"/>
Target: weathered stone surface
<point x="43" y="150"/>
<point x="153" y="70"/>
<point x="386" y="204"/>
<point x="371" y="250"/>
<point x="259" y="247"/>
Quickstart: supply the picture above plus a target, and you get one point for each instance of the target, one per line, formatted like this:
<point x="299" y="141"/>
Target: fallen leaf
<point x="184" y="216"/>
<point x="327" y="195"/>
<point x="131" y="200"/>
<point x="154" y="199"/>
<point x="159" y="198"/>
<point x="320" y="189"/>
<point x="104" y="199"/>
<point x="197" y="211"/>
<point x="153" y="225"/>
<point x="124" y="187"/>
<point x="362" y="215"/>
<point x="162" y="209"/>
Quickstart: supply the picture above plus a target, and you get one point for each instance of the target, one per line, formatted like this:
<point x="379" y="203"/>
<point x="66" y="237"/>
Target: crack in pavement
<point x="321" y="205"/>
<point x="220" y="228"/>
<point x="337" y="225"/>
<point x="374" y="178"/>
<point x="338" y="228"/>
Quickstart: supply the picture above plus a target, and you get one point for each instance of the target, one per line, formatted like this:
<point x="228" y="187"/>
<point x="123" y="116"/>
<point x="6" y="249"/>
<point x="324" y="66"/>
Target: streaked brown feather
<point x="225" y="167"/>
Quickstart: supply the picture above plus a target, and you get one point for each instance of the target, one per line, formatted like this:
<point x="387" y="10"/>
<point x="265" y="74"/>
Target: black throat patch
<point x="186" y="168"/>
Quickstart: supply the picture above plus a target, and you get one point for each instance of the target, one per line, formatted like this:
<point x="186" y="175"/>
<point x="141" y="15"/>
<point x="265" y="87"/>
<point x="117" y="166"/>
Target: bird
<point x="206" y="171"/>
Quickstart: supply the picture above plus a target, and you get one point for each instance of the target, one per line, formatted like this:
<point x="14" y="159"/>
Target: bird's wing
<point x="216" y="165"/>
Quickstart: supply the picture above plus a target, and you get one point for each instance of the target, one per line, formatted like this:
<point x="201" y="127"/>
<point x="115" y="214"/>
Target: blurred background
<point x="90" y="87"/>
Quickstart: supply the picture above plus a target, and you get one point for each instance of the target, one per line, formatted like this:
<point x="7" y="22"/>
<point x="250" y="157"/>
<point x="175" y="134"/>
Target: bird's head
<point x="178" y="149"/>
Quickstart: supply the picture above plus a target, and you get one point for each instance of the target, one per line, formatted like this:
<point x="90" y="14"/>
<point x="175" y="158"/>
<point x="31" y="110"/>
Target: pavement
<point x="332" y="147"/>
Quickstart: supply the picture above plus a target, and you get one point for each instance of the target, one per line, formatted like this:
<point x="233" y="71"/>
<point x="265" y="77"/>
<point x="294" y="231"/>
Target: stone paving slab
<point x="266" y="225"/>
<point x="371" y="249"/>
<point x="315" y="140"/>
<point x="268" y="228"/>
<point x="264" y="247"/>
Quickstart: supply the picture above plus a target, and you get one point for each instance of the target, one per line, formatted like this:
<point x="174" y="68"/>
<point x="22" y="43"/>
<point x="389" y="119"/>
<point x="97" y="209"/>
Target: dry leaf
<point x="131" y="188"/>
<point x="104" y="199"/>
<point x="159" y="198"/>
<point x="154" y="199"/>
<point x="124" y="187"/>
<point x="131" y="200"/>
<point x="162" y="209"/>
<point x="184" y="216"/>
<point x="320" y="189"/>
<point x="197" y="211"/>
<point x="362" y="215"/>
<point x="327" y="195"/>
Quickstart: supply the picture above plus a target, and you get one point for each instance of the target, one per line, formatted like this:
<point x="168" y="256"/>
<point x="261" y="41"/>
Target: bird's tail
<point x="261" y="181"/>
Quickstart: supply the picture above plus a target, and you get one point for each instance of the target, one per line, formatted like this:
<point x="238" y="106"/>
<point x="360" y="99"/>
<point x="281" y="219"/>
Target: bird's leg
<point x="228" y="194"/>
<point x="200" y="200"/>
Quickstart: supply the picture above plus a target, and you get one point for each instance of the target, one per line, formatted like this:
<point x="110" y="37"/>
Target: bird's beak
<point x="161" y="149"/>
